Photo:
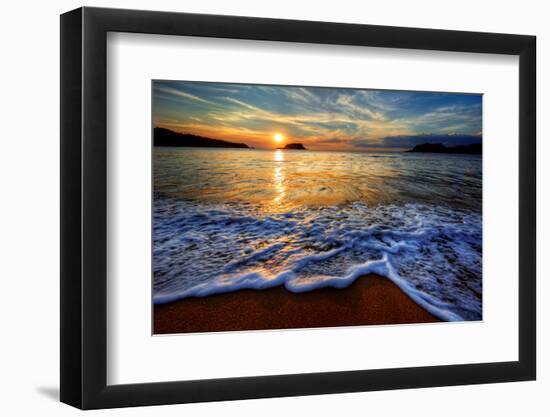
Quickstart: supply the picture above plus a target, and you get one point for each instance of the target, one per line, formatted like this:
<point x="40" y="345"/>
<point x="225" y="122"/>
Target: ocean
<point x="228" y="219"/>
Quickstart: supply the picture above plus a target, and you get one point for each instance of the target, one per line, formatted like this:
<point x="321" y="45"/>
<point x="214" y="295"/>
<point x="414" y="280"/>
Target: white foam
<point x="432" y="253"/>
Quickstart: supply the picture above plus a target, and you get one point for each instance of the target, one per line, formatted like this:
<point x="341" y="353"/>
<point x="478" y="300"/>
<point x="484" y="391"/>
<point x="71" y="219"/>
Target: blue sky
<point x="320" y="118"/>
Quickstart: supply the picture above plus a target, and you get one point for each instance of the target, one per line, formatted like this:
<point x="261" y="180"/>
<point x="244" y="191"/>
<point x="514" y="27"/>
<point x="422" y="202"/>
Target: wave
<point x="432" y="253"/>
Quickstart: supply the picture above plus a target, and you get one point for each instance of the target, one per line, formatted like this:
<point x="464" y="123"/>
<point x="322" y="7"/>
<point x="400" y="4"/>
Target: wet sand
<point x="370" y="300"/>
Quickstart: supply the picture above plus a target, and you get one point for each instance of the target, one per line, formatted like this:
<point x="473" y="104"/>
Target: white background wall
<point x="29" y="225"/>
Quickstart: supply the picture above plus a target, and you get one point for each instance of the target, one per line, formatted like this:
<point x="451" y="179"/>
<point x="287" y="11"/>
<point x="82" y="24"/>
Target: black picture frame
<point x="84" y="207"/>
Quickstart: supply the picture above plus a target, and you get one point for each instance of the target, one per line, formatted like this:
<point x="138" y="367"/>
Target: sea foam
<point x="433" y="253"/>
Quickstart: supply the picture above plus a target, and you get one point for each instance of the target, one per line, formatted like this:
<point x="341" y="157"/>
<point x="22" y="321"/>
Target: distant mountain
<point x="294" y="146"/>
<point x="472" y="149"/>
<point x="166" y="137"/>
<point x="410" y="141"/>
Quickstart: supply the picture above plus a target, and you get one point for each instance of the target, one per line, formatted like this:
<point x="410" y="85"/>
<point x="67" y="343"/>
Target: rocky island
<point x="472" y="149"/>
<point x="167" y="137"/>
<point x="294" y="146"/>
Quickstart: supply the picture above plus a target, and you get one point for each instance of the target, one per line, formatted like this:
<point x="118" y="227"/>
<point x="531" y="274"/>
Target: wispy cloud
<point x="183" y="94"/>
<point x="324" y="118"/>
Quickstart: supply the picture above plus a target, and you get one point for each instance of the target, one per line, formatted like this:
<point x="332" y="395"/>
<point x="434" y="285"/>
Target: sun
<point x="278" y="137"/>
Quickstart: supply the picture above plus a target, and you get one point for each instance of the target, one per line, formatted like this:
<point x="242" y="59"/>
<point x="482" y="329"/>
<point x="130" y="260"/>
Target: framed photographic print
<point x="259" y="207"/>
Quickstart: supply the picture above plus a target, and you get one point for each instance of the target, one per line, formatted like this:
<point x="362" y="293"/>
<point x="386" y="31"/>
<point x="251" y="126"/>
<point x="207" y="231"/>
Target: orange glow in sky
<point x="320" y="118"/>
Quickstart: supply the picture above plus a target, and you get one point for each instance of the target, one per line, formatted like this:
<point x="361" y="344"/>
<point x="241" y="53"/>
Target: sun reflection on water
<point x="281" y="181"/>
<point x="279" y="176"/>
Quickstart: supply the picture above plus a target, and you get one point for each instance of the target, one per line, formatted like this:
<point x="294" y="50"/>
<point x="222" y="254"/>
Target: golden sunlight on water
<point x="279" y="176"/>
<point x="226" y="219"/>
<point x="278" y="181"/>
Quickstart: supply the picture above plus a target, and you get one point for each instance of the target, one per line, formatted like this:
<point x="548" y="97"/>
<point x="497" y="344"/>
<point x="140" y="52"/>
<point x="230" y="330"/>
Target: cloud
<point x="450" y="118"/>
<point x="179" y="93"/>
<point x="346" y="102"/>
<point x="334" y="118"/>
<point x="243" y="104"/>
<point x="332" y="140"/>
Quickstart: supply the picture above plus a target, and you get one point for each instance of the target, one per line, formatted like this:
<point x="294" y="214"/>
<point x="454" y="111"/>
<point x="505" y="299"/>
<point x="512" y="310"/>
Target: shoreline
<point x="370" y="300"/>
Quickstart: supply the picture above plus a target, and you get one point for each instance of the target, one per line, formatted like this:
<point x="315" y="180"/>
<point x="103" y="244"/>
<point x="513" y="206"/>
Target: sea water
<point x="228" y="219"/>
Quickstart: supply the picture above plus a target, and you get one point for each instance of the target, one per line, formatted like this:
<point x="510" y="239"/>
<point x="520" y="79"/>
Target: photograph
<point x="291" y="207"/>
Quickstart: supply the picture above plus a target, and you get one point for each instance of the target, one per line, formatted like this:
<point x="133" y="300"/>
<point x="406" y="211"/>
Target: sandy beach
<point x="371" y="300"/>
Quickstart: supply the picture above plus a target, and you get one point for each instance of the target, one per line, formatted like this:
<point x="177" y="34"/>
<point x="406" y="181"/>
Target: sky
<point x="269" y="116"/>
